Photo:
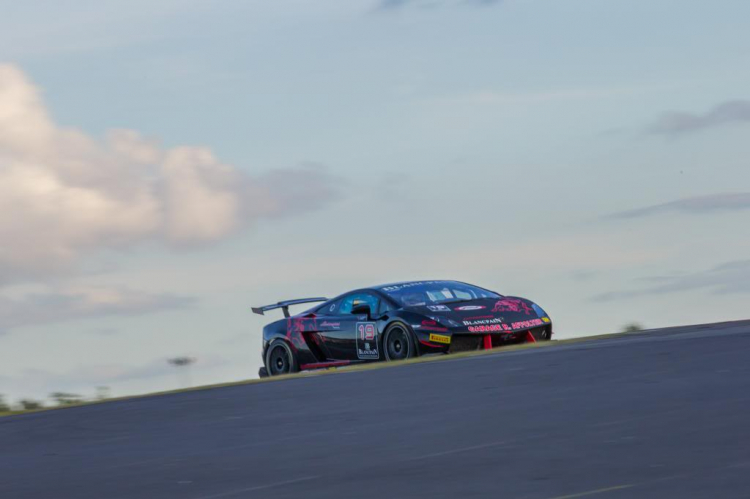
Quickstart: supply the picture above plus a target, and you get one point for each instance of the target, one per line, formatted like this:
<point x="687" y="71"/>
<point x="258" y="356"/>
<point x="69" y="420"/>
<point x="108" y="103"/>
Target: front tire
<point x="280" y="359"/>
<point x="398" y="343"/>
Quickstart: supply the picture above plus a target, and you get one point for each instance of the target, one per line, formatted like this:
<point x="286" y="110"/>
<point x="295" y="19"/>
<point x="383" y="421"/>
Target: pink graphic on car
<point x="512" y="305"/>
<point x="295" y="326"/>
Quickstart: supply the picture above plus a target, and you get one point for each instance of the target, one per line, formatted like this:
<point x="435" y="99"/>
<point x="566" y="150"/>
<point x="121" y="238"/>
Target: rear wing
<point x="284" y="305"/>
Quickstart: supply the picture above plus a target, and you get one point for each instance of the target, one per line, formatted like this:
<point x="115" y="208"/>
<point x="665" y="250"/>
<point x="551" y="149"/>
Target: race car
<point x="397" y="321"/>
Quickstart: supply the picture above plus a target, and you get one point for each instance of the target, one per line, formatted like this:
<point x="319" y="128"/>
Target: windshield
<point x="415" y="294"/>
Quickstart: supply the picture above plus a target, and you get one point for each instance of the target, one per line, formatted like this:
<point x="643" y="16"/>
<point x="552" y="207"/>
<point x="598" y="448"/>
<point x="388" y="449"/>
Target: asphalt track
<point x="658" y="415"/>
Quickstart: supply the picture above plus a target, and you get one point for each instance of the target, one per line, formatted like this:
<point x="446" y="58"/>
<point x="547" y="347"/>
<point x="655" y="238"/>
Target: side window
<point x="348" y="302"/>
<point x="330" y="308"/>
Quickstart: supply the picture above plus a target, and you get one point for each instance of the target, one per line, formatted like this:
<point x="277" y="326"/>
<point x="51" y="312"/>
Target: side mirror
<point x="362" y="309"/>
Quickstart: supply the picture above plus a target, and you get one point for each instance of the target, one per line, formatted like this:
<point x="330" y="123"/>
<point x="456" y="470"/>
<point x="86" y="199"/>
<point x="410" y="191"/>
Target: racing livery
<point x="395" y="322"/>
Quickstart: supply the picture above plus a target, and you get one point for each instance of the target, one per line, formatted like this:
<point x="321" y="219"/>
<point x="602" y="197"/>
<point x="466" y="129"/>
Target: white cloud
<point x="489" y="97"/>
<point x="64" y="193"/>
<point x="712" y="203"/>
<point x="676" y="123"/>
<point x="397" y="4"/>
<point x="728" y="278"/>
<point x="60" y="305"/>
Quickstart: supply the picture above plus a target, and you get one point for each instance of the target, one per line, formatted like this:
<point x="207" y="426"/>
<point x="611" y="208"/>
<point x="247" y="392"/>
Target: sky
<point x="165" y="165"/>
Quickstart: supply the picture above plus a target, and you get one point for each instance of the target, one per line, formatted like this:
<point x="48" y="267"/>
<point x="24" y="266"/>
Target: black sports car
<point x="395" y="322"/>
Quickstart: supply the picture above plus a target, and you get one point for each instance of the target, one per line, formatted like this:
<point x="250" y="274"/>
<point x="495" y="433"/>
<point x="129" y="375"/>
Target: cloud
<point x="729" y="201"/>
<point x="393" y="186"/>
<point x="397" y="4"/>
<point x="393" y="4"/>
<point x="678" y="123"/>
<point x="727" y="278"/>
<point x="74" y="304"/>
<point x="497" y="97"/>
<point x="64" y="194"/>
<point x="583" y="275"/>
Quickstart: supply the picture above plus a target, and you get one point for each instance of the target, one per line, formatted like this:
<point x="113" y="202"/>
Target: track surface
<point x="656" y="415"/>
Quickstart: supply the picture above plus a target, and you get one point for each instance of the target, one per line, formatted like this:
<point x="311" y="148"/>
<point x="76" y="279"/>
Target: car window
<point x="421" y="293"/>
<point x="331" y="308"/>
<point x="348" y="302"/>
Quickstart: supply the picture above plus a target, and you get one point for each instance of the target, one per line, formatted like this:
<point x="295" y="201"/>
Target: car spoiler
<point x="284" y="305"/>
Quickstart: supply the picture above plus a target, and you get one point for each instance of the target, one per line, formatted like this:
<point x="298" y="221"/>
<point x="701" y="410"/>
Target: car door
<point x="347" y="336"/>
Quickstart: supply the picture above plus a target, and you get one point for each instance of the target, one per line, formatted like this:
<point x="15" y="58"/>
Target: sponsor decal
<point x="511" y="305"/>
<point x="479" y="322"/>
<point x="546" y="319"/>
<point x="406" y="285"/>
<point x="367" y="341"/>
<point x="469" y="307"/>
<point x="525" y="324"/>
<point x="430" y="326"/>
<point x="334" y="325"/>
<point x="492" y="328"/>
<point x="440" y="338"/>
<point x="439" y="308"/>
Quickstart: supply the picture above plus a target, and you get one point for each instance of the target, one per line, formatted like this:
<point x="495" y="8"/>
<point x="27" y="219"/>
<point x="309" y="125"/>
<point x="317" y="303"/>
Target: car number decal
<point x="367" y="341"/>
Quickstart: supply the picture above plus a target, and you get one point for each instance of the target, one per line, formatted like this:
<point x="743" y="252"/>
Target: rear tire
<point x="280" y="359"/>
<point x="398" y="343"/>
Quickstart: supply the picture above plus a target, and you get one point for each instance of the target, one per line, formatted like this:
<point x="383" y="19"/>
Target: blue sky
<point x="166" y="164"/>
